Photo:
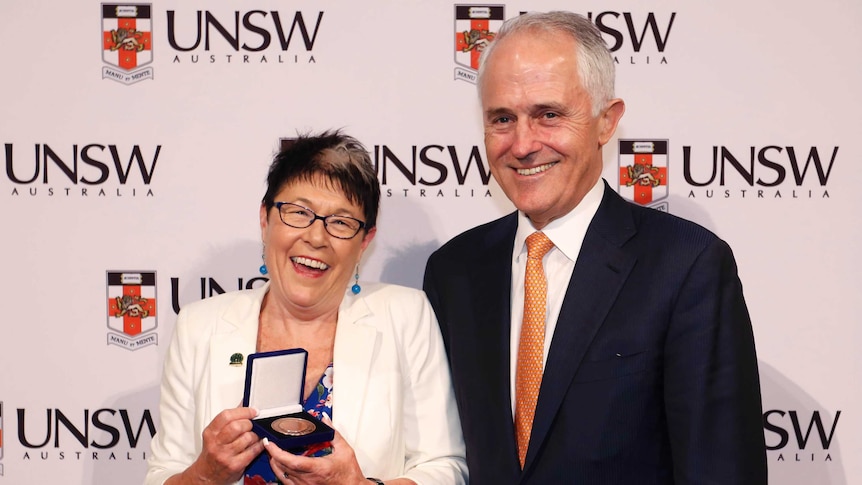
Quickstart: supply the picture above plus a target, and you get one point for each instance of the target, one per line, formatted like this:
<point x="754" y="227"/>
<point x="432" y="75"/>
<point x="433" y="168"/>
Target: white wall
<point x="768" y="77"/>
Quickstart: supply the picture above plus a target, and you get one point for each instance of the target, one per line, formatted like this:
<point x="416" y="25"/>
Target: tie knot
<point x="538" y="245"/>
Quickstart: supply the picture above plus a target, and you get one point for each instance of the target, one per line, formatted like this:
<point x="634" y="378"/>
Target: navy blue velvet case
<point x="274" y="385"/>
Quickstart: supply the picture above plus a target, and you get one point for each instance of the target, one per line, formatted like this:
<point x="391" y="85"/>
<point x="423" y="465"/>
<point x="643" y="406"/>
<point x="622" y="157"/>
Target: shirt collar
<point x="567" y="232"/>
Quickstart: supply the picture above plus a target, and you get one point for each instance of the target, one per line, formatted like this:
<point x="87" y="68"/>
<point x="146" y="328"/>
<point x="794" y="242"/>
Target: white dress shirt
<point x="567" y="233"/>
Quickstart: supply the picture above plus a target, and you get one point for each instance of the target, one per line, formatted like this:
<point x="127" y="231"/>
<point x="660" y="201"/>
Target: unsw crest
<point x="643" y="166"/>
<point x="475" y="27"/>
<point x="132" y="309"/>
<point x="127" y="42"/>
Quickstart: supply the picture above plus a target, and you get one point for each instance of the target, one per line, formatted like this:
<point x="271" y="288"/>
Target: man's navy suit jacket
<point x="651" y="377"/>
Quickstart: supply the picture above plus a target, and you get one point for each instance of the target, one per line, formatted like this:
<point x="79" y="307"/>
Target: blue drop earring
<point x="356" y="288"/>
<point x="262" y="268"/>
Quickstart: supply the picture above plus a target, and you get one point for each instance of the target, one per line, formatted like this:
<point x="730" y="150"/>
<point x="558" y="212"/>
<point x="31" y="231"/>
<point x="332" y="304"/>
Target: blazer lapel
<point x="236" y="332"/>
<point x="353" y="350"/>
<point x="600" y="271"/>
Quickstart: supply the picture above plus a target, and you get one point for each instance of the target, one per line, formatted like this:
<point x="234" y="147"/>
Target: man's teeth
<point x="311" y="263"/>
<point x="535" y="170"/>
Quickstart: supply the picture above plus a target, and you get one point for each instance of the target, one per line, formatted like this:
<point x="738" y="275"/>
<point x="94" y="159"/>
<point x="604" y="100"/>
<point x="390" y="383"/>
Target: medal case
<point x="274" y="385"/>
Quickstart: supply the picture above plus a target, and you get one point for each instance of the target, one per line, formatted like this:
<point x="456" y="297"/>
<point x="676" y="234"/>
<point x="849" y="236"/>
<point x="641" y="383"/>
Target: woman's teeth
<point x="311" y="263"/>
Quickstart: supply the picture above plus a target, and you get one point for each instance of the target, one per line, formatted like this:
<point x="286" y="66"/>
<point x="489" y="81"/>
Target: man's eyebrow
<point x="494" y="112"/>
<point x="534" y="109"/>
<point x="553" y="106"/>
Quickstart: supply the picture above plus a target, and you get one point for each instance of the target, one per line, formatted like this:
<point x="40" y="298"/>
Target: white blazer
<point x="392" y="394"/>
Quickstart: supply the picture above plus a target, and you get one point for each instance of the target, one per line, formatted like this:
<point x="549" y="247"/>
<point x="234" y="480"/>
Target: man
<point x="625" y="354"/>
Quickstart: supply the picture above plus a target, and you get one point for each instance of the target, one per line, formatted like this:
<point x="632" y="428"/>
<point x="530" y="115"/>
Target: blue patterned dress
<point x="318" y="404"/>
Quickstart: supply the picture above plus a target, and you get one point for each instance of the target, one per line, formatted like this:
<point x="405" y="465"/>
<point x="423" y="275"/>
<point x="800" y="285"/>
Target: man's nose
<point x="526" y="141"/>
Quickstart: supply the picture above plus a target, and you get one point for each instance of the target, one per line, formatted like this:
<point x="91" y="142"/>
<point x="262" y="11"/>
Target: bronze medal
<point x="293" y="426"/>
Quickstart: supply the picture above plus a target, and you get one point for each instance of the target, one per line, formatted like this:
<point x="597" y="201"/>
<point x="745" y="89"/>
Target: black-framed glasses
<point x="295" y="215"/>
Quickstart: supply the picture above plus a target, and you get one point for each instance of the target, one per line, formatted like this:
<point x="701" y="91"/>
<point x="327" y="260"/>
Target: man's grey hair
<point x="595" y="62"/>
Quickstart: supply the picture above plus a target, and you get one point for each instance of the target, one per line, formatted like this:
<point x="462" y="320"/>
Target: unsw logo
<point x="204" y="37"/>
<point x="132" y="309"/>
<point x="427" y="171"/>
<point x="251" y="37"/>
<point x="127" y="42"/>
<point x="758" y="172"/>
<point x="86" y="170"/>
<point x="100" y="434"/>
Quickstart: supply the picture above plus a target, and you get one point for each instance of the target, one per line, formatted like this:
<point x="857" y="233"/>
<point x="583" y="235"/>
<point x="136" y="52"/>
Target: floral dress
<point x="319" y="405"/>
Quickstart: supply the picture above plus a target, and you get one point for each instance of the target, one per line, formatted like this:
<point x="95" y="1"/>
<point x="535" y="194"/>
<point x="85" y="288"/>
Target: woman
<point x="376" y="364"/>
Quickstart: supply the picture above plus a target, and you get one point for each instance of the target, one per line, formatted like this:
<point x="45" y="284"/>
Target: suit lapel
<point x="492" y="278"/>
<point x="600" y="272"/>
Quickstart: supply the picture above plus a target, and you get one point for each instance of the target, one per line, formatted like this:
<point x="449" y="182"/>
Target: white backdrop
<point x="153" y="164"/>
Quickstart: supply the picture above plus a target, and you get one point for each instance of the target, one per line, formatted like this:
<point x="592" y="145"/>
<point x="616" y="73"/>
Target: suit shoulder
<point x="669" y="229"/>
<point x="466" y="244"/>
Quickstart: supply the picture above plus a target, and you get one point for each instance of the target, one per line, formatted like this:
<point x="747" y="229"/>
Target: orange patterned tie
<point x="528" y="376"/>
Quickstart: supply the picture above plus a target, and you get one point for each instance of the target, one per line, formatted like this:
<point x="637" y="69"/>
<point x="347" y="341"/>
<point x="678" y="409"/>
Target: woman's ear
<point x="366" y="240"/>
<point x="263" y="221"/>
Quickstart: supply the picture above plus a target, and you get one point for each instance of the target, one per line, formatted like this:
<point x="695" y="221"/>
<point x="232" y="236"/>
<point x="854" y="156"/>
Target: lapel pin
<point x="236" y="359"/>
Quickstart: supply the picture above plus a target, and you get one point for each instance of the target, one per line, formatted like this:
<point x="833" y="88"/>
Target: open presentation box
<point x="274" y="385"/>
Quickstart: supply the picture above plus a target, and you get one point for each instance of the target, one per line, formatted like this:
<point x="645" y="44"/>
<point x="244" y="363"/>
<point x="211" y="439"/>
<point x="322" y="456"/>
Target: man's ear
<point x="609" y="119"/>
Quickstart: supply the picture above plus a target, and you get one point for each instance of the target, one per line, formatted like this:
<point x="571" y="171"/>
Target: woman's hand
<point x="340" y="466"/>
<point x="229" y="445"/>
